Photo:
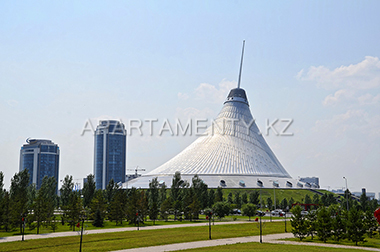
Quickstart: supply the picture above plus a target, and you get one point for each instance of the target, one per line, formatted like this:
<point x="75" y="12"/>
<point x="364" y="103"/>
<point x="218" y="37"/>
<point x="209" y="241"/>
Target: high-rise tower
<point x="41" y="158"/>
<point x="110" y="153"/>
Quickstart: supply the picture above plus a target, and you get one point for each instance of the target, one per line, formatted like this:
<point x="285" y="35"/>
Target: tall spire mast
<point x="241" y="63"/>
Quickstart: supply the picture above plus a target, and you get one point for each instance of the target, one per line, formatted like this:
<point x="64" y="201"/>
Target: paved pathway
<point x="273" y="238"/>
<point x="110" y="230"/>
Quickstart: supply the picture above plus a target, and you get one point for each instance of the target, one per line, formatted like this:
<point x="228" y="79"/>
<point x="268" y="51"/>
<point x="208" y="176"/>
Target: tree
<point x="175" y="193"/>
<point x="229" y="198"/>
<point x="195" y="207"/>
<point x="373" y="205"/>
<point x="135" y="205"/>
<point x="254" y="197"/>
<point x="316" y="199"/>
<point x="290" y="203"/>
<point x="355" y="226"/>
<point x="269" y="202"/>
<point x="244" y="198"/>
<point x="298" y="223"/>
<point x="219" y="194"/>
<point x="88" y="191"/>
<point x="98" y="208"/>
<point x="364" y="201"/>
<point x="370" y="223"/>
<point x="338" y="222"/>
<point x="330" y="199"/>
<point x="143" y="205"/>
<point x="66" y="190"/>
<point x="323" y="225"/>
<point x="221" y="209"/>
<point x="117" y="207"/>
<point x="307" y="199"/>
<point x="48" y="191"/>
<point x="32" y="194"/>
<point x="249" y="210"/>
<point x="162" y="195"/>
<point x="98" y="219"/>
<point x="200" y="191"/>
<point x="38" y="211"/>
<point x="165" y="208"/>
<point x="111" y="189"/>
<point x="18" y="197"/>
<point x="187" y="200"/>
<point x="6" y="219"/>
<point x="237" y="199"/>
<point x="284" y="203"/>
<point x="311" y="220"/>
<point x="74" y="209"/>
<point x="153" y="199"/>
<point x="211" y="198"/>
<point x="347" y="195"/>
<point x="2" y="192"/>
<point x="44" y="203"/>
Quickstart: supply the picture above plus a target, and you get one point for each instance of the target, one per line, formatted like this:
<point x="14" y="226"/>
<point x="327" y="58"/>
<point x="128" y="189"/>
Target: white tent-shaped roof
<point x="231" y="153"/>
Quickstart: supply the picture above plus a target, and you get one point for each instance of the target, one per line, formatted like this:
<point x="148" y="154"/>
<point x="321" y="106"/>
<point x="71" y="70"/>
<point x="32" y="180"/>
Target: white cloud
<point x="338" y="97"/>
<point x="369" y="99"/>
<point x="364" y="75"/>
<point x="12" y="103"/>
<point x="355" y="123"/>
<point x="183" y="96"/>
<point x="213" y="94"/>
<point x="193" y="113"/>
<point x="209" y="93"/>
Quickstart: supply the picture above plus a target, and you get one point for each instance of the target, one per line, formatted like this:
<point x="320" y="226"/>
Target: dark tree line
<point x="331" y="220"/>
<point x="43" y="208"/>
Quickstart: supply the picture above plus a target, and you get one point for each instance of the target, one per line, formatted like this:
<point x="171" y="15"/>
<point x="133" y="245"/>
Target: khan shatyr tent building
<point x="232" y="154"/>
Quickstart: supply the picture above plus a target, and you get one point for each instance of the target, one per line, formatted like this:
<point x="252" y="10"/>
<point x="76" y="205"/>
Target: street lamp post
<point x="261" y="208"/>
<point x="83" y="216"/>
<point x="285" y="222"/>
<point x="346" y="192"/>
<point x="274" y="191"/>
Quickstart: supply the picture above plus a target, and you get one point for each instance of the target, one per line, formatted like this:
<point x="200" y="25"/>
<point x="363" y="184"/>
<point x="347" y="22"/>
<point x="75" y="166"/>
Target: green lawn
<point x="370" y="242"/>
<point x="267" y="247"/>
<point x="108" y="224"/>
<point x="297" y="194"/>
<point x="142" y="238"/>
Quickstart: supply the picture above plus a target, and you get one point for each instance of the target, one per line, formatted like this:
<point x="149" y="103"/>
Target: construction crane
<point x="136" y="170"/>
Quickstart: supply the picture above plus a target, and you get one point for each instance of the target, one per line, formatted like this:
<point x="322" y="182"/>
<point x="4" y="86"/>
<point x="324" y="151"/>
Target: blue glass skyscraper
<point x="110" y="153"/>
<point x="41" y="158"/>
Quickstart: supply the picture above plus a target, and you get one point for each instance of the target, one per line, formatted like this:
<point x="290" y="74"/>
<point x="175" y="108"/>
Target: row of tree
<point x="43" y="208"/>
<point x="334" y="222"/>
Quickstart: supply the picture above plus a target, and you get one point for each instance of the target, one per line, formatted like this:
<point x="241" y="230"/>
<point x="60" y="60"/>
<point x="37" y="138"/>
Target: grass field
<point x="266" y="247"/>
<point x="370" y="242"/>
<point x="108" y="224"/>
<point x="297" y="194"/>
<point x="142" y="238"/>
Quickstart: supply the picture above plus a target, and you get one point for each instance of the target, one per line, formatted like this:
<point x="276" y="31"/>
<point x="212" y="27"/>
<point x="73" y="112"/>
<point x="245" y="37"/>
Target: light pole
<point x="346" y="192"/>
<point x="259" y="183"/>
<point x="274" y="191"/>
<point x="83" y="216"/>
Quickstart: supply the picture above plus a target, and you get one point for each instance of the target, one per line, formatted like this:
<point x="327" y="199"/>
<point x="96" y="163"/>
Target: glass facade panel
<point x="28" y="164"/>
<point x="99" y="161"/>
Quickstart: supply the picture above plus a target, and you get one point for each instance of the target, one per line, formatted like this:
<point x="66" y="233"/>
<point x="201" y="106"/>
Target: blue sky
<point x="317" y="62"/>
